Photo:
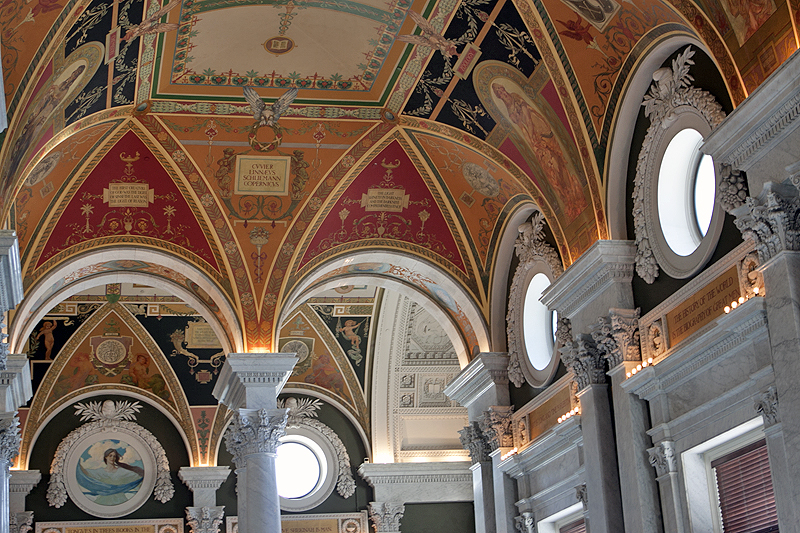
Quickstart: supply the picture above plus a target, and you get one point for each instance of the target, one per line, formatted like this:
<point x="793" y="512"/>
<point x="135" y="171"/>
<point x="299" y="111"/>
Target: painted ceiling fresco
<point x="411" y="128"/>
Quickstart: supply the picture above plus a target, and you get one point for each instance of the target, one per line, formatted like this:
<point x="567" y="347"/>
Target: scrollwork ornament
<point x="662" y="458"/>
<point x="766" y="404"/>
<point x="532" y="249"/>
<point x="525" y="522"/>
<point x="771" y="220"/>
<point x="670" y="95"/>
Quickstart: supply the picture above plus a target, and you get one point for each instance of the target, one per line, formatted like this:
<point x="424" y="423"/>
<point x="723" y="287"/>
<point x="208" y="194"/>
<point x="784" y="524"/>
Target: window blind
<point x="744" y="486"/>
<point x="579" y="526"/>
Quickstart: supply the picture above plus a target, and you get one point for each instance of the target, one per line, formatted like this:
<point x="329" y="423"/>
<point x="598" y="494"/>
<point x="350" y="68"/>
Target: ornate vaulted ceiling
<point x="398" y="165"/>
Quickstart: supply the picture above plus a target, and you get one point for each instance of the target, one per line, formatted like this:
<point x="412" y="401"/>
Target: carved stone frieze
<point x="302" y="414"/>
<point x="255" y="431"/>
<point x="771" y="220"/>
<point x="475" y="442"/>
<point x="531" y="248"/>
<point x="525" y="522"/>
<point x="732" y="190"/>
<point x="9" y="438"/>
<point x="670" y="95"/>
<point x="585" y="361"/>
<point x="662" y="458"/>
<point x="582" y="496"/>
<point x="386" y="516"/>
<point x="496" y="426"/>
<point x="766" y="404"/>
<point x="204" y="519"/>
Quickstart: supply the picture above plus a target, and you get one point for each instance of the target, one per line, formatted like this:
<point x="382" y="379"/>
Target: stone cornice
<point x="23" y="481"/>
<point x="761" y="122"/>
<point x="484" y="372"/>
<point x="545" y="449"/>
<point x="243" y="371"/>
<point x="204" y="477"/>
<point x="10" y="271"/>
<point x="15" y="383"/>
<point x="419" y="482"/>
<point x="604" y="263"/>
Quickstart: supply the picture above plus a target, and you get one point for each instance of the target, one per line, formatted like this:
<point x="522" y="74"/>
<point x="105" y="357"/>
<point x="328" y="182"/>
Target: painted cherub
<point x="47" y="331"/>
<point x="350" y="332"/>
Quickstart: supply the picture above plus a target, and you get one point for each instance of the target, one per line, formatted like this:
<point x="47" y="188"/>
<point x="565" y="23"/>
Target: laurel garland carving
<point x="670" y="95"/>
<point x="303" y="413"/>
<point x="108" y="416"/>
<point x="531" y="248"/>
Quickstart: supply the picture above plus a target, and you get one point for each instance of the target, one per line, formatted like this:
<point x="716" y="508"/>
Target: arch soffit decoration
<point x="373" y="266"/>
<point x="40" y="413"/>
<point x="637" y="85"/>
<point x="53" y="288"/>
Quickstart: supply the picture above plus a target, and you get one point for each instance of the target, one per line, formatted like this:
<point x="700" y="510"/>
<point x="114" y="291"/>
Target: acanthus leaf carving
<point x="386" y="516"/>
<point x="732" y="189"/>
<point x="582" y="495"/>
<point x="255" y="431"/>
<point x="9" y="438"/>
<point x="496" y="426"/>
<point x="662" y="458"/>
<point x="205" y="519"/>
<point x="771" y="220"/>
<point x="766" y="404"/>
<point x="585" y="361"/>
<point x="525" y="522"/>
<point x="475" y="442"/>
<point x="617" y="336"/>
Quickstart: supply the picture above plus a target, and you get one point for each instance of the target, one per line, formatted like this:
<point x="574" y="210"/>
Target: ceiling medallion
<point x="279" y="45"/>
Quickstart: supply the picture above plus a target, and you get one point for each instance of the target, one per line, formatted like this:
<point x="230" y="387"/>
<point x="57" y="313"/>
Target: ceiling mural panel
<point x="46" y="180"/>
<point x="482" y="191"/>
<point x="129" y="193"/>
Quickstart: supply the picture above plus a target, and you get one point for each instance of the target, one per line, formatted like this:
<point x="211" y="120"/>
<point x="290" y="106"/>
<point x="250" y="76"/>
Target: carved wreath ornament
<point x="670" y="96"/>
<point x="109" y="465"/>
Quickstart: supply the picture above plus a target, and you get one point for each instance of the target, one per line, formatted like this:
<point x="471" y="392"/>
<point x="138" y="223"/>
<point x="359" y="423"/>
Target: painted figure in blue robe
<point x="112" y="484"/>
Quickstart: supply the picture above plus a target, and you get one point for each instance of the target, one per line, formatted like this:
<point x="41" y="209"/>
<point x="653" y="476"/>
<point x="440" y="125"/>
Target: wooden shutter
<point x="579" y="526"/>
<point x="744" y="485"/>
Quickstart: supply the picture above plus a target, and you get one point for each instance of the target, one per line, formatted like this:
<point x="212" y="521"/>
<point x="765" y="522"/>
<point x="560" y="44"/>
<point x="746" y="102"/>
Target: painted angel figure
<point x="430" y="37"/>
<point x="152" y="25"/>
<point x="269" y="116"/>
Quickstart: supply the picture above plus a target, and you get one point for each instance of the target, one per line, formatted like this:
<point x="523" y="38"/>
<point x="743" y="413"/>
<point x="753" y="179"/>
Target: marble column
<point x="481" y="385"/>
<point x="249" y="385"/>
<point x="662" y="458"/>
<point x="617" y="337"/>
<point x="496" y="426"/>
<point x="205" y="516"/>
<point x="386" y="516"/>
<point x="21" y="484"/>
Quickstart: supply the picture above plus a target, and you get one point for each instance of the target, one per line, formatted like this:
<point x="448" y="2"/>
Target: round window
<point x="685" y="192"/>
<point x="298" y="469"/>
<point x="306" y="468"/>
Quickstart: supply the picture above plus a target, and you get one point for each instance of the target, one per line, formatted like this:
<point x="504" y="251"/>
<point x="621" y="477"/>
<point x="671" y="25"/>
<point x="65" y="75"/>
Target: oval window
<point x="537" y="321"/>
<point x="686" y="190"/>
<point x="298" y="470"/>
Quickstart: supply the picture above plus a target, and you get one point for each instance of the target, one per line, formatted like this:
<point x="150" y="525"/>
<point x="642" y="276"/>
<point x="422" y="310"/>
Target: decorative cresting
<point x="582" y="495"/>
<point x="302" y="413"/>
<point x="670" y="95"/>
<point x="386" y="516"/>
<point x="496" y="427"/>
<point x="662" y="458"/>
<point x="525" y="522"/>
<point x="766" y="404"/>
<point x="475" y="442"/>
<point x="255" y="431"/>
<point x="9" y="439"/>
<point x="531" y="249"/>
<point x="585" y="361"/>
<point x="204" y="519"/>
<point x="109" y="416"/>
<point x="771" y="220"/>
<point x="617" y="336"/>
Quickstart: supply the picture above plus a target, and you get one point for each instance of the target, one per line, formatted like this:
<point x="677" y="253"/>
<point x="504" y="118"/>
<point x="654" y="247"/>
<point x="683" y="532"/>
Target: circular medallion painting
<point x="110" y="474"/>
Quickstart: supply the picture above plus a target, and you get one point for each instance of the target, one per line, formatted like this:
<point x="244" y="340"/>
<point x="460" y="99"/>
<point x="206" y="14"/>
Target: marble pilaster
<point x="662" y="458"/>
<point x="249" y="385"/>
<point x="480" y="386"/>
<point x="20" y="485"/>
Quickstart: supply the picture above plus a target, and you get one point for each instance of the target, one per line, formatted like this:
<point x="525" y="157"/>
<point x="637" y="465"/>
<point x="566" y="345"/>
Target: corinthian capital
<point x="766" y="404"/>
<point x="585" y="361"/>
<point x="771" y="220"/>
<point x="662" y="458"/>
<point x="386" y="516"/>
<point x="617" y="336"/>
<point x="474" y="441"/>
<point x="20" y="522"/>
<point x="496" y="426"/>
<point x="204" y="519"/>
<point x="255" y="431"/>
